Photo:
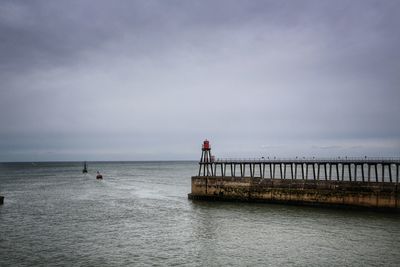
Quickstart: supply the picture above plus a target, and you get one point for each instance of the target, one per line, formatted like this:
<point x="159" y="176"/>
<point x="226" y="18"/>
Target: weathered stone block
<point x="335" y="193"/>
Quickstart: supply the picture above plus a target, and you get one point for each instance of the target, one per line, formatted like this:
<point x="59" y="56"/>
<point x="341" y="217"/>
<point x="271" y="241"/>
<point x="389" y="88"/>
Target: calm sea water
<point x="139" y="215"/>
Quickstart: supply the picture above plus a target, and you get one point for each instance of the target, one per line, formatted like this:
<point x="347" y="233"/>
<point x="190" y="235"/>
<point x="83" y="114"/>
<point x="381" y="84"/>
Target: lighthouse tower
<point x="206" y="159"/>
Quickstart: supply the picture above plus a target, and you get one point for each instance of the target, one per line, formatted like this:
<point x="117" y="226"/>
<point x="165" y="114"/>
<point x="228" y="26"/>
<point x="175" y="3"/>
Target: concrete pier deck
<point x="381" y="195"/>
<point x="344" y="182"/>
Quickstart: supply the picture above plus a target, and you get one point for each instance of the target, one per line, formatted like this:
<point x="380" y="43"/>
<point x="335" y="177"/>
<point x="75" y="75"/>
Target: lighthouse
<point x="206" y="159"/>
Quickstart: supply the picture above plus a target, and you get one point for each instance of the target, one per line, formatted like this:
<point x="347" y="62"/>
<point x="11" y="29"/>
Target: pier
<point x="353" y="182"/>
<point x="351" y="169"/>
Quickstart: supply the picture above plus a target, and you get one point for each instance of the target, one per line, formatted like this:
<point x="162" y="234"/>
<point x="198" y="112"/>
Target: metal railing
<point x="394" y="160"/>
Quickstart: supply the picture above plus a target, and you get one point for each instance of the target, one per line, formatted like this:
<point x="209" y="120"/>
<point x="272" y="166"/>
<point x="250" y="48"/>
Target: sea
<point x="140" y="215"/>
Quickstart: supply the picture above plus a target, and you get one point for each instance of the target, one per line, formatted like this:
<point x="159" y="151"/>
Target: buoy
<point x="84" y="168"/>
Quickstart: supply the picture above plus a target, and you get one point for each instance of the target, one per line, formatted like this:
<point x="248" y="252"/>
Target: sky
<point x="150" y="80"/>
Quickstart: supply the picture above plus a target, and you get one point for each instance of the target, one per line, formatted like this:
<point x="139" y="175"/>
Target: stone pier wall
<point x="308" y="192"/>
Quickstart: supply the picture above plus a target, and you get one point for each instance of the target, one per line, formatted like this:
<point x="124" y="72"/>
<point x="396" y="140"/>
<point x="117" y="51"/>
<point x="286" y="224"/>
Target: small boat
<point x="84" y="168"/>
<point x="99" y="176"/>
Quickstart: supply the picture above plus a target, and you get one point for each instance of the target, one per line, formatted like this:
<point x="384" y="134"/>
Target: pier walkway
<point x="337" y="182"/>
<point x="339" y="169"/>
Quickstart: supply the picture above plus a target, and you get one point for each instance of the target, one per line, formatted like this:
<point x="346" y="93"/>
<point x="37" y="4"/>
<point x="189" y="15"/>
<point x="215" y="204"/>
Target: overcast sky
<point x="150" y="80"/>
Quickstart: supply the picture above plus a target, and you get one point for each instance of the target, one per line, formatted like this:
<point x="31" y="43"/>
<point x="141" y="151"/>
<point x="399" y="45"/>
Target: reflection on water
<point x="140" y="215"/>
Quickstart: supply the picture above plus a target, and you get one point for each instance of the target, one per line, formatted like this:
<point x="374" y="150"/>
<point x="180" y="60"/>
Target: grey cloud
<point x="137" y="75"/>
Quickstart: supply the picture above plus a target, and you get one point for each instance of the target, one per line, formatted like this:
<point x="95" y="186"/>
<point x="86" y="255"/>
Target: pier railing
<point x="393" y="160"/>
<point x="353" y="169"/>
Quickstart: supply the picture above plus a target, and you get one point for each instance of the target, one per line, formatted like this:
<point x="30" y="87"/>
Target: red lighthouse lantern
<point x="206" y="145"/>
